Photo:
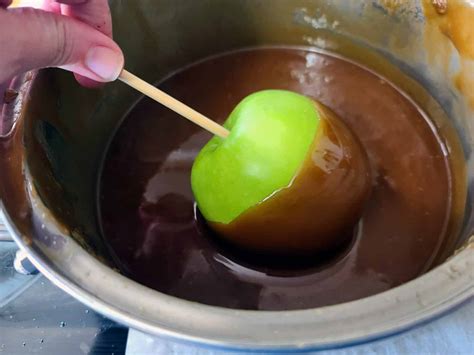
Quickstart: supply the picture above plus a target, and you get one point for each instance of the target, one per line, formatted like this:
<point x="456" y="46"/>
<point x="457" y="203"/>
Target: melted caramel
<point x="147" y="207"/>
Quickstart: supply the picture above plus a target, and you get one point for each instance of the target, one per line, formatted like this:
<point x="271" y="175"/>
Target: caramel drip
<point x="455" y="20"/>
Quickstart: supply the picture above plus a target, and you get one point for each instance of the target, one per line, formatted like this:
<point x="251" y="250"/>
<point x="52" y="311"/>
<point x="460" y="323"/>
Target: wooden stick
<point x="173" y="104"/>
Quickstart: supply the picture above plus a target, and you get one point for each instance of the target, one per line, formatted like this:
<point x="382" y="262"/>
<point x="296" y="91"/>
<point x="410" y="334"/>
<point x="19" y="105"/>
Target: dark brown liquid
<point x="147" y="207"/>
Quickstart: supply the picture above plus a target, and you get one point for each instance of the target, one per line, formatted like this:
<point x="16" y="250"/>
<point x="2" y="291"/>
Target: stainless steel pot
<point x="51" y="156"/>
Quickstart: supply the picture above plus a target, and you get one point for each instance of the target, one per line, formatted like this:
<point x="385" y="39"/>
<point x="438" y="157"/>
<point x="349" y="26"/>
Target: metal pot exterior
<point x="50" y="161"/>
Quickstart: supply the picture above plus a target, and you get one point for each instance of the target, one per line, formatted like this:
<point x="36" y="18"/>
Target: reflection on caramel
<point x="319" y="208"/>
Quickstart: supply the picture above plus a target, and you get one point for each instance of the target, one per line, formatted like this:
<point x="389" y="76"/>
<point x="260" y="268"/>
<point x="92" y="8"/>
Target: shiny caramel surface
<point x="148" y="213"/>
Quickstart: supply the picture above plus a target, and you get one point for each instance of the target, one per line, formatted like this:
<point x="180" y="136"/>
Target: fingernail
<point x="104" y="62"/>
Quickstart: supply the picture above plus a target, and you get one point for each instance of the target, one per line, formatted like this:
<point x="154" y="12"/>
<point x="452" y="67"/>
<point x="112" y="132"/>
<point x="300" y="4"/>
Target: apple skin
<point x="271" y="132"/>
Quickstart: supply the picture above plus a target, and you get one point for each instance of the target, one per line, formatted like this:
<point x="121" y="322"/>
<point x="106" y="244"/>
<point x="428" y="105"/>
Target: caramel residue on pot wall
<point x="452" y="19"/>
<point x="391" y="5"/>
<point x="449" y="38"/>
<point x="441" y="6"/>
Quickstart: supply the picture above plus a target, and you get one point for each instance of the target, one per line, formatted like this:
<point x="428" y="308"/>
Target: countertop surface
<point x="450" y="334"/>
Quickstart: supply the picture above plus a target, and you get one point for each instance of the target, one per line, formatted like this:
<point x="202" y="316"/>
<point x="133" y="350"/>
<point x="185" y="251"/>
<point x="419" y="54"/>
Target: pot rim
<point x="108" y="292"/>
<point x="355" y="322"/>
<point x="137" y="306"/>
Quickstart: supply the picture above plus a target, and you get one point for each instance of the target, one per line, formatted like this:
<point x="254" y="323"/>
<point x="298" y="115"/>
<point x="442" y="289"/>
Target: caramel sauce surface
<point x="151" y="224"/>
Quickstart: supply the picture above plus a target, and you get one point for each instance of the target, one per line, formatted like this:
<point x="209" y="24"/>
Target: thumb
<point x="33" y="39"/>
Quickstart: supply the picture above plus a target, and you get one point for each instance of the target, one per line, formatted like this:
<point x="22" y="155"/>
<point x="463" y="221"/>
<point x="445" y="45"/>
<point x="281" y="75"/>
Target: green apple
<point x="271" y="133"/>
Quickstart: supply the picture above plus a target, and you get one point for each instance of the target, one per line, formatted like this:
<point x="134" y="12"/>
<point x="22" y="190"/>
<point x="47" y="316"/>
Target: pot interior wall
<point x="67" y="128"/>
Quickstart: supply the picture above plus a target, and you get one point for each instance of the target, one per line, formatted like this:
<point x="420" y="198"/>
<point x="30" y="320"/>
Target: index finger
<point x="72" y="2"/>
<point x="5" y="3"/>
<point x="95" y="13"/>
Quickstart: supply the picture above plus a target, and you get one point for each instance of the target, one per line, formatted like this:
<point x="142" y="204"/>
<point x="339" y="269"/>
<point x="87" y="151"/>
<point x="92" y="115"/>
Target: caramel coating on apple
<point x="323" y="202"/>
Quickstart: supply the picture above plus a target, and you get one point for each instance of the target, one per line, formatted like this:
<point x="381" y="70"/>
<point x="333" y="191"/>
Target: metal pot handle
<point x="21" y="262"/>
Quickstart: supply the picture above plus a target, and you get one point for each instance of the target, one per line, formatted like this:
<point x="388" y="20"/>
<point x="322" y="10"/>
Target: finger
<point x="36" y="39"/>
<point x="72" y="2"/>
<point x="5" y="3"/>
<point x="95" y="13"/>
<point x="51" y="6"/>
<point x="87" y="82"/>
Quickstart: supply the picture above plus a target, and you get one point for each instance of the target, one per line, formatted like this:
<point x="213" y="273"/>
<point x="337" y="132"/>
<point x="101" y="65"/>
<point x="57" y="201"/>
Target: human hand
<point x="68" y="34"/>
